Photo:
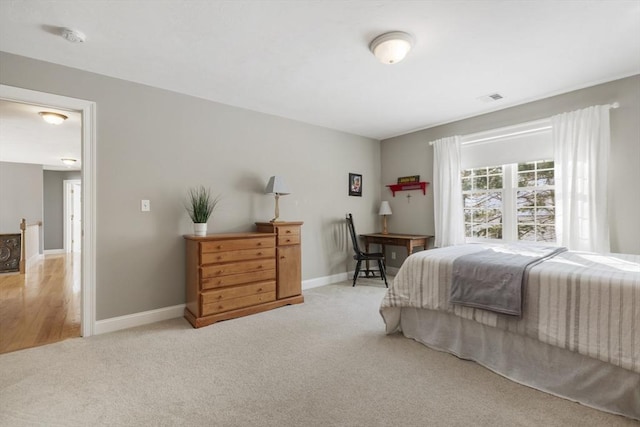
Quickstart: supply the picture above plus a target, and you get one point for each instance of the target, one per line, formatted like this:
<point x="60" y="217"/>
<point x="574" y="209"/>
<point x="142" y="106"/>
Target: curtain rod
<point x="613" y="105"/>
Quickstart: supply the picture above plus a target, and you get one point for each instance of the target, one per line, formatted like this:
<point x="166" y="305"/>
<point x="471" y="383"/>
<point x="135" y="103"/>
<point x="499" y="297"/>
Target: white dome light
<point x="53" y="118"/>
<point x="391" y="48"/>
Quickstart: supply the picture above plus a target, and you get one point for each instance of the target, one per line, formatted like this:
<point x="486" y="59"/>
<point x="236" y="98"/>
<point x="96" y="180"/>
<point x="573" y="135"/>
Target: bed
<point x="577" y="336"/>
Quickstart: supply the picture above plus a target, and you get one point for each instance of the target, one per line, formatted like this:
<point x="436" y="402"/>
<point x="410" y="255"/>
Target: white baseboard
<point x="34" y="259"/>
<point x="335" y="278"/>
<point x="138" y="319"/>
<point x="321" y="281"/>
<point x="54" y="251"/>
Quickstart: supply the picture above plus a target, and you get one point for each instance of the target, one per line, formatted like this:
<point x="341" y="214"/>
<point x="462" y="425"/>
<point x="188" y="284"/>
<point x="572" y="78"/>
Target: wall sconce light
<point x="52" y="118"/>
<point x="391" y="48"/>
<point x="278" y="187"/>
<point x="385" y="210"/>
<point x="69" y="162"/>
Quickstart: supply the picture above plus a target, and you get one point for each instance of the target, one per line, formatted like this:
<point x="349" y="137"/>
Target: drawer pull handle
<point x="259" y="289"/>
<point x="259" y="253"/>
<point x="259" y="243"/>
<point x="288" y="231"/>
<point x="219" y="247"/>
<point x="220" y="271"/>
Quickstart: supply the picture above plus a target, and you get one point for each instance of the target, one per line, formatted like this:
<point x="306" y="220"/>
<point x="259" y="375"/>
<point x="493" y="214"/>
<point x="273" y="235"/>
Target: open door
<point x="72" y="215"/>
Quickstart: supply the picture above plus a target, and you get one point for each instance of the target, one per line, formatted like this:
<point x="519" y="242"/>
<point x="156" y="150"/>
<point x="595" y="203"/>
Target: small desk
<point x="409" y="241"/>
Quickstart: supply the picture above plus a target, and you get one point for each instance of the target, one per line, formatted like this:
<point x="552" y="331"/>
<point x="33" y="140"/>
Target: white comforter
<point x="584" y="302"/>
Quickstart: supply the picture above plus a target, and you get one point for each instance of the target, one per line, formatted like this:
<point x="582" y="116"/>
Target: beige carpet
<point x="326" y="362"/>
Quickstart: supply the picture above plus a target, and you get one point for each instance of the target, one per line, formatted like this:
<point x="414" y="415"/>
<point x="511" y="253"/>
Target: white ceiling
<point x="309" y="60"/>
<point x="26" y="138"/>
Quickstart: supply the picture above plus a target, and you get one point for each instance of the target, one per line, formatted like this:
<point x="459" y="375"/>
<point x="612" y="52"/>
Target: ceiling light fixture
<point x="53" y="118"/>
<point x="73" y="36"/>
<point x="69" y="162"/>
<point x="391" y="48"/>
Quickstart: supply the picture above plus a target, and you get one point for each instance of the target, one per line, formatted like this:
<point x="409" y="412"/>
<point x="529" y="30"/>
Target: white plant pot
<point x="200" y="229"/>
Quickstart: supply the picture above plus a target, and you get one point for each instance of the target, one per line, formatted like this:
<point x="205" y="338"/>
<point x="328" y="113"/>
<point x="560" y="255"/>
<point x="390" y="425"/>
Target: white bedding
<point x="583" y="302"/>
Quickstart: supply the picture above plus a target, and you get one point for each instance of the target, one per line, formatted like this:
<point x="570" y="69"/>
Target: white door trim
<point x="88" y="110"/>
<point x="67" y="198"/>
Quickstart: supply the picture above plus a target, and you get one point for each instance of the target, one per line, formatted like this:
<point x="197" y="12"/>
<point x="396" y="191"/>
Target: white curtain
<point x="447" y="192"/>
<point x="581" y="142"/>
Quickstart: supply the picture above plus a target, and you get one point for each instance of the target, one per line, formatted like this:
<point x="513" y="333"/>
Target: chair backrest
<point x="352" y="232"/>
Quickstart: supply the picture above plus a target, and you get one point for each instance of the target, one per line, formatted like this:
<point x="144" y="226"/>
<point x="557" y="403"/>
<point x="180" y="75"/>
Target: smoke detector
<point x="74" y="36"/>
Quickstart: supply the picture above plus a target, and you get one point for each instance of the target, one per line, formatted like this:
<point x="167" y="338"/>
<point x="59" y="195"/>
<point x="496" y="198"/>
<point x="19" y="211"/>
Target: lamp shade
<point x="276" y="185"/>
<point x="385" y="209"/>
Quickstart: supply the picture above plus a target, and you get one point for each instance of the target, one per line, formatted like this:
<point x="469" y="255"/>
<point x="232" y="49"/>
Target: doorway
<point x="87" y="195"/>
<point x="72" y="215"/>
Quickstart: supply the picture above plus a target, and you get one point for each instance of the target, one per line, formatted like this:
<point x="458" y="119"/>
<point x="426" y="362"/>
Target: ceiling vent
<point x="491" y="98"/>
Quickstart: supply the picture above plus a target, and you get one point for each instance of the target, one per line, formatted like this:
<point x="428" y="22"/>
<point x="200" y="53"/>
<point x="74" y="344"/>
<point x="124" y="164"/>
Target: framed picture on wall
<point x="355" y="184"/>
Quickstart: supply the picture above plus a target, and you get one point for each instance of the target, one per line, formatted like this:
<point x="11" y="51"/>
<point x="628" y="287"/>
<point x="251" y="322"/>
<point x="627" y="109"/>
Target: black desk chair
<point x="363" y="256"/>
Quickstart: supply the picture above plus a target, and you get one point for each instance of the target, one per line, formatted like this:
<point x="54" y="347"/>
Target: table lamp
<point x="385" y="210"/>
<point x="278" y="187"/>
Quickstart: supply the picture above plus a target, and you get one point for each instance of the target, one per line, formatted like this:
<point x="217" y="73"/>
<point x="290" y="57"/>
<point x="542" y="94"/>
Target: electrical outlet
<point x="145" y="205"/>
<point x="393" y="255"/>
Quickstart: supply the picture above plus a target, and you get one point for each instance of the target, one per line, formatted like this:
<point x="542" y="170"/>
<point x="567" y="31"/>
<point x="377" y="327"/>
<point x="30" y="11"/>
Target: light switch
<point x="145" y="205"/>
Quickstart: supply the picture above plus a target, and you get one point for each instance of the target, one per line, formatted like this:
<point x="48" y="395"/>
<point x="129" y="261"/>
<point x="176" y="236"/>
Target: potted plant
<point x="200" y="205"/>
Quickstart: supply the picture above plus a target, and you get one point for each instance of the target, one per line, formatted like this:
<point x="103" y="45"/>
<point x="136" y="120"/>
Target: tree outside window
<point x="482" y="201"/>
<point x="535" y="202"/>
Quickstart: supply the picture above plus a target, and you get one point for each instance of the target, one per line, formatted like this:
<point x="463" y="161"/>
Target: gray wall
<point x="53" y="207"/>
<point x="154" y="144"/>
<point x="20" y="196"/>
<point x="410" y="154"/>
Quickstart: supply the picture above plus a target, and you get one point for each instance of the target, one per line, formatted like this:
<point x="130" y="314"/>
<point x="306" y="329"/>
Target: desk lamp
<point x="385" y="210"/>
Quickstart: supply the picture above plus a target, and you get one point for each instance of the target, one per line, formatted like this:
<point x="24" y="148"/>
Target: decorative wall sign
<point x="9" y="252"/>
<point x="409" y="179"/>
<point x="355" y="184"/>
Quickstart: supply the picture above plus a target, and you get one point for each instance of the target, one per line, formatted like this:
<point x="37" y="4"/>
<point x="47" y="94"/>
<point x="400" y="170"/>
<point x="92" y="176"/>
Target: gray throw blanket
<point x="492" y="279"/>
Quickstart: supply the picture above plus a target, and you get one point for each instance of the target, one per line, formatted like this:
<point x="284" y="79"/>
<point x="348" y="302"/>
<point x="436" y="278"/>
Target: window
<point x="535" y="202"/>
<point x="510" y="202"/>
<point x="482" y="201"/>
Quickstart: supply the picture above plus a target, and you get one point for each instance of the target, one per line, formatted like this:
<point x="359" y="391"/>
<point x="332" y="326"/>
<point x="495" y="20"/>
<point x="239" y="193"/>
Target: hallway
<point x="42" y="306"/>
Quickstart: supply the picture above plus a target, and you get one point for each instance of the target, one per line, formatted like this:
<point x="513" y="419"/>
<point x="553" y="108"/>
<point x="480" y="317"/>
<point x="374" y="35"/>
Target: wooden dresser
<point x="231" y="275"/>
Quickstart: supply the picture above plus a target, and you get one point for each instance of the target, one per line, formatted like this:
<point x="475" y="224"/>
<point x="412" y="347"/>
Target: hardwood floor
<point x="41" y="306"/>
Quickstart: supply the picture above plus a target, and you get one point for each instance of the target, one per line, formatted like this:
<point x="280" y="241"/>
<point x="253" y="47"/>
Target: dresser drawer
<point x="237" y="244"/>
<point x="293" y="239"/>
<point x="232" y="292"/>
<point x="240" y="302"/>
<point x="237" y="279"/>
<point x="241" y="255"/>
<point x="288" y="230"/>
<point x="217" y="270"/>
